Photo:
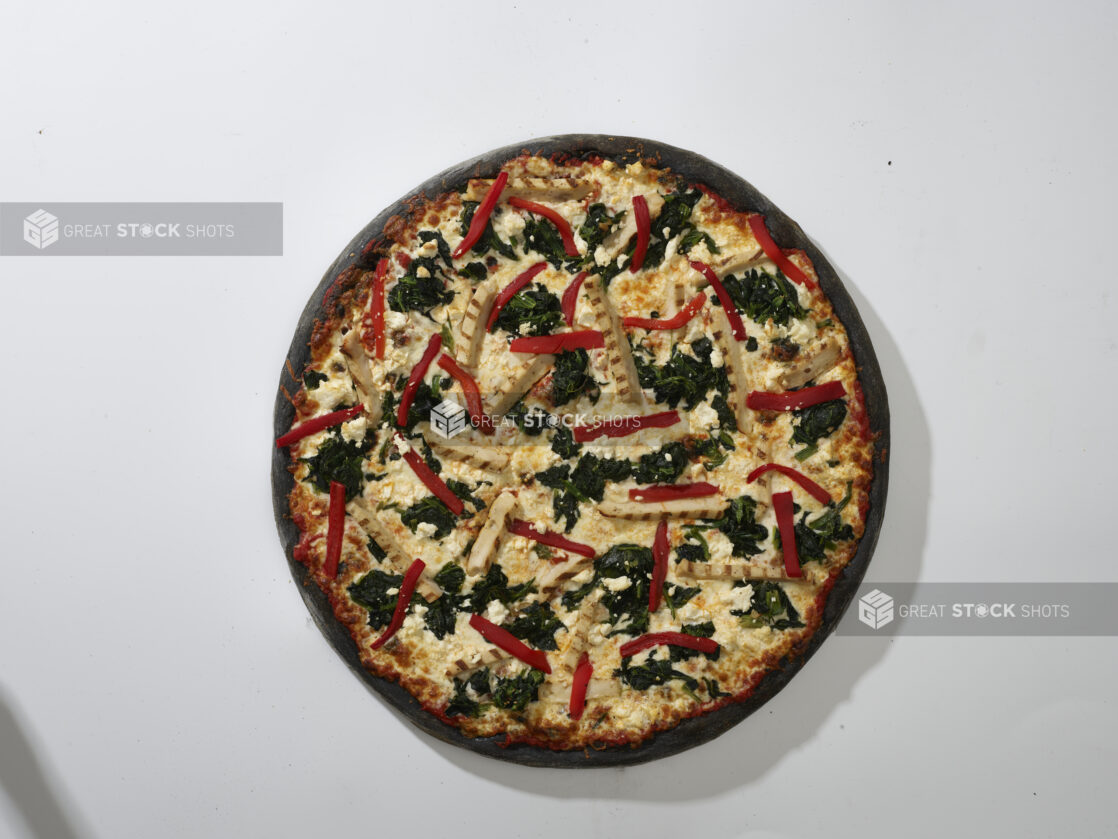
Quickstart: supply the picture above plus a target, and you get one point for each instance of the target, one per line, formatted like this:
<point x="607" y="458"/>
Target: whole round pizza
<point x="575" y="448"/>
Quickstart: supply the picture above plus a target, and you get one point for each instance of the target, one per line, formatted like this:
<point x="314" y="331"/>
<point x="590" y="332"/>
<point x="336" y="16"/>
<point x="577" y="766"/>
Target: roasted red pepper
<point x="432" y="481"/>
<point x="373" y="336"/>
<point x="813" y="489"/>
<point x="728" y="306"/>
<point x="309" y="427"/>
<point x="403" y="600"/>
<point x="786" y="524"/>
<point x="508" y="292"/>
<point x="793" y="400"/>
<point x="676" y="321"/>
<point x="790" y="269"/>
<point x="672" y="492"/>
<point x="520" y="527"/>
<point x="674" y="639"/>
<point x="570" y="298"/>
<point x="581" y="680"/>
<point x="417" y="374"/>
<point x="510" y="643"/>
<point x="644" y="229"/>
<point x="335" y="530"/>
<point x="585" y="339"/>
<point x="624" y="426"/>
<point x="470" y="390"/>
<point x="481" y="216"/>
<point x="660" y="551"/>
<point x="551" y="215"/>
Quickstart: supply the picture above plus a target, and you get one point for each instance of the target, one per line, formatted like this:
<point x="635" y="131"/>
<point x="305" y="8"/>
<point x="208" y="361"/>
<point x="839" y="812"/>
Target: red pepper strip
<point x="644" y="228"/>
<point x="793" y="400"/>
<point x="335" y="530"/>
<point x="677" y="320"/>
<point x="403" y="600"/>
<point x="585" y="339"/>
<point x="570" y="298"/>
<point x="510" y="643"/>
<point x="375" y="318"/>
<point x="520" y="527"/>
<point x="470" y="391"/>
<point x="433" y="482"/>
<point x="791" y="271"/>
<point x="578" y="687"/>
<point x="660" y="550"/>
<point x="417" y="374"/>
<point x="785" y="522"/>
<point x="624" y="426"/>
<point x="481" y="215"/>
<point x="675" y="639"/>
<point x="813" y="489"/>
<point x="540" y="210"/>
<point x="309" y="427"/>
<point x="670" y="492"/>
<point x="736" y="326"/>
<point x="509" y="291"/>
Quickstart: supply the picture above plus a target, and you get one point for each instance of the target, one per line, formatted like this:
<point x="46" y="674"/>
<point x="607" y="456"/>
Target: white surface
<point x="955" y="161"/>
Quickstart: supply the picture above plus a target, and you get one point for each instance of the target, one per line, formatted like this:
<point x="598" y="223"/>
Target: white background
<point x="159" y="675"/>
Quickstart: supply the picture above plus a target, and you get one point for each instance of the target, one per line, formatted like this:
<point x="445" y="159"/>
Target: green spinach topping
<point x="676" y="597"/>
<point x="475" y="271"/>
<point x="697" y="630"/>
<point x="563" y="443"/>
<point x="341" y="460"/>
<point x="533" y="307"/>
<point x="685" y="378"/>
<point x="495" y="586"/>
<point x="432" y="511"/>
<point x="662" y="466"/>
<point x="628" y="608"/>
<point x="654" y="671"/>
<point x="762" y="295"/>
<point x="541" y="236"/>
<point x="371" y="593"/>
<point x="572" y="378"/>
<point x="421" y="289"/>
<point x="442" y="612"/>
<point x="586" y="482"/>
<point x="537" y="625"/>
<point x="461" y="705"/>
<point x="489" y="239"/>
<point x="739" y="525"/>
<point x="598" y="225"/>
<point x="817" y="421"/>
<point x="814" y="538"/>
<point x="769" y="606"/>
<point x="515" y="692"/>
<point x="312" y="379"/>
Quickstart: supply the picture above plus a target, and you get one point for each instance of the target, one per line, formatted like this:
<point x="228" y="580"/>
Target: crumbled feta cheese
<point x="582" y="577"/>
<point x="496" y="612"/>
<point x="741" y="598"/>
<point x="395" y="320"/>
<point x="703" y="416"/>
<point x="425" y="530"/>
<point x="401" y="445"/>
<point x="422" y="272"/>
<point x="617" y="584"/>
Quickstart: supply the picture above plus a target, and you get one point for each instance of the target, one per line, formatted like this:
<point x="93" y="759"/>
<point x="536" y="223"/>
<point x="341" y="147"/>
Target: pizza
<point x="578" y="453"/>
